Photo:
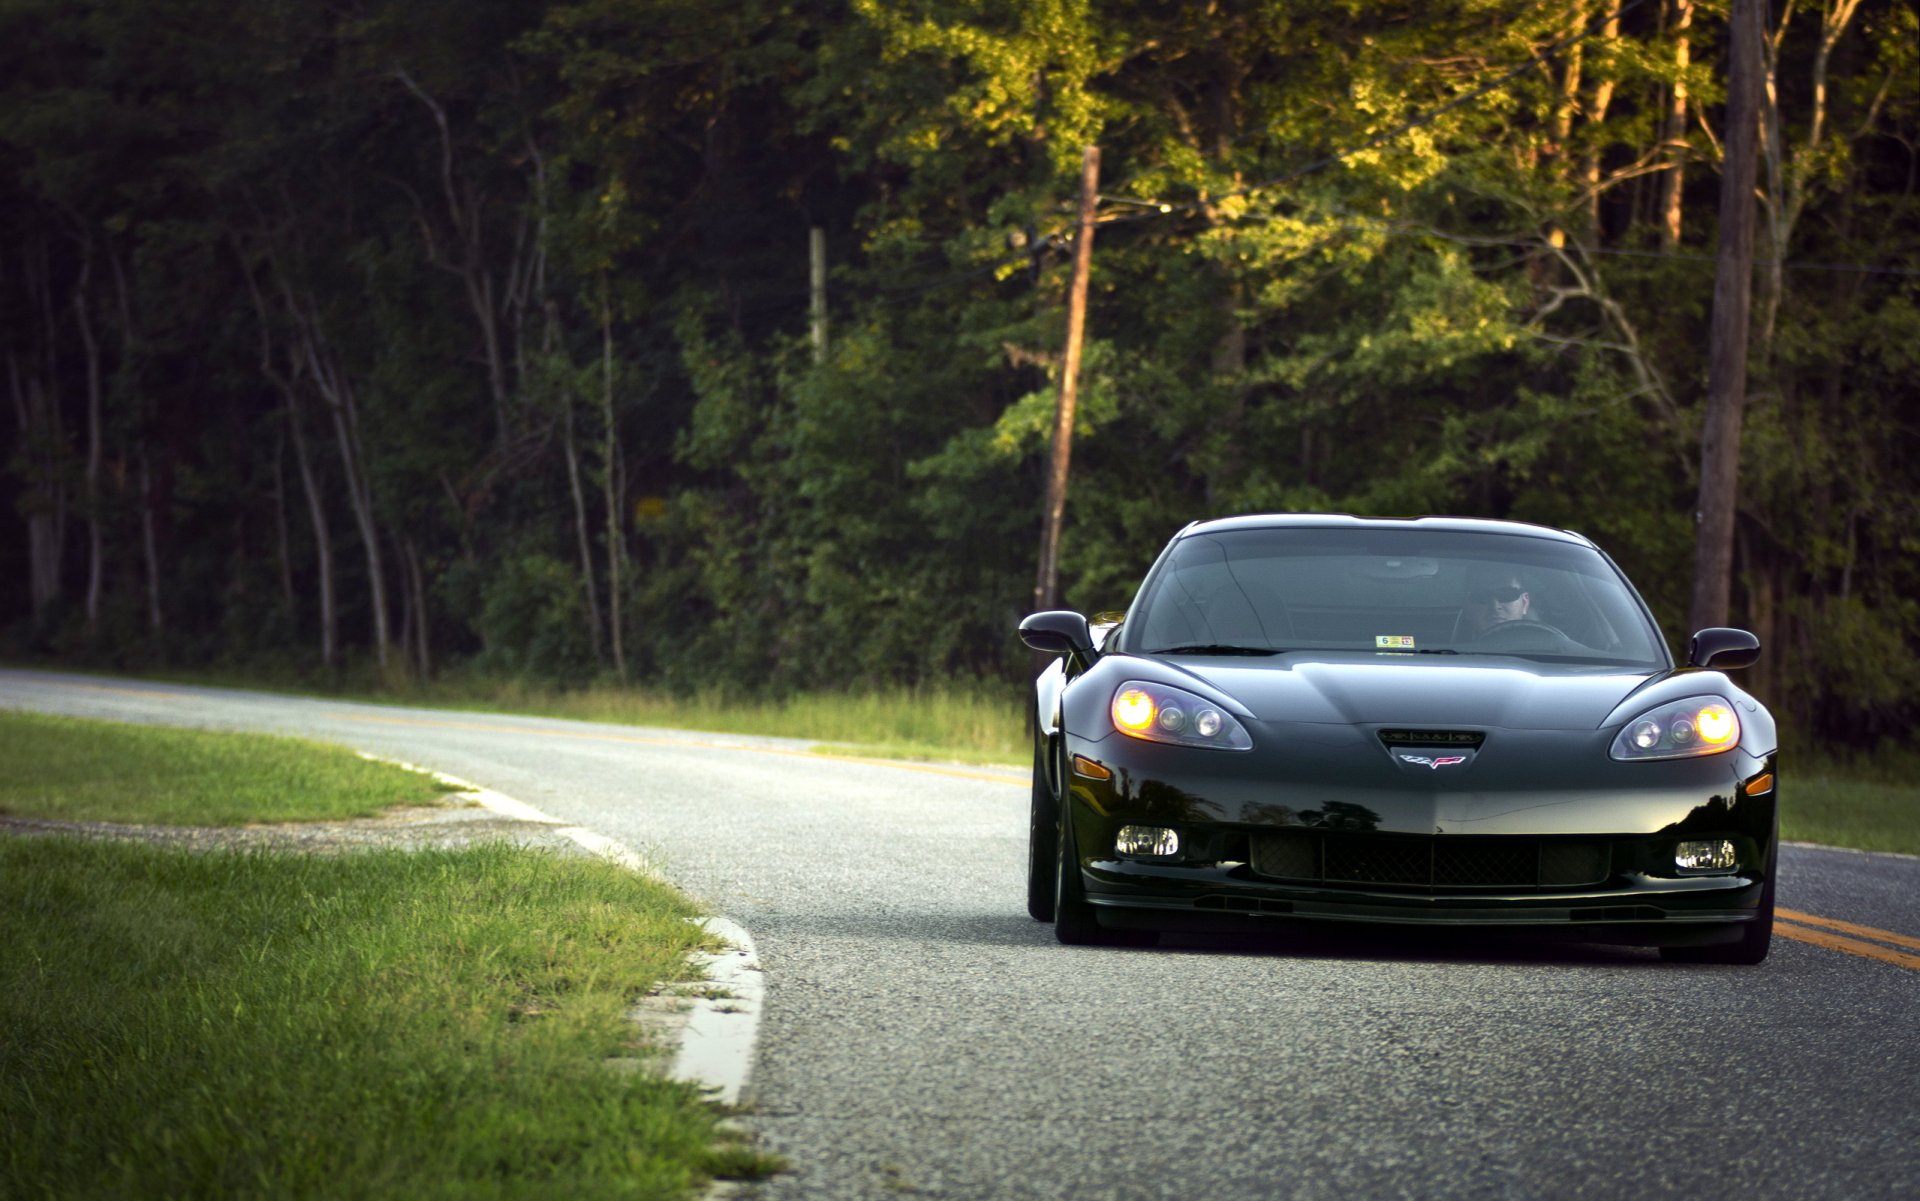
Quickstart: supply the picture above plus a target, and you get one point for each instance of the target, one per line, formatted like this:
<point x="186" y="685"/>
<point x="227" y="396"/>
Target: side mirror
<point x="1723" y="649"/>
<point x="1057" y="632"/>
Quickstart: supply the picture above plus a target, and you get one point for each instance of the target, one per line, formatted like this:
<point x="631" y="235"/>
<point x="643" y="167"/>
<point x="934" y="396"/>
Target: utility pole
<point x="1727" y="335"/>
<point x="817" y="276"/>
<point x="1046" y="588"/>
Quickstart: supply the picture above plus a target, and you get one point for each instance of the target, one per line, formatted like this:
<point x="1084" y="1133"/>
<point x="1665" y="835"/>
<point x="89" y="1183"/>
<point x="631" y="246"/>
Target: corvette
<point x="1423" y="722"/>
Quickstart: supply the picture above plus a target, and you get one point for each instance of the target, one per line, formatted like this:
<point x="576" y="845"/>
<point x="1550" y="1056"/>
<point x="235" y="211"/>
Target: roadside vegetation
<point x="968" y="721"/>
<point x="1870" y="804"/>
<point x="423" y="334"/>
<point x="79" y="770"/>
<point x="376" y="1024"/>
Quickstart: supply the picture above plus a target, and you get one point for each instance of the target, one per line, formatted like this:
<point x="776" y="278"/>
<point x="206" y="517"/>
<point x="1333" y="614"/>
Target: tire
<point x="1756" y="936"/>
<point x="1074" y="922"/>
<point x="1043" y="833"/>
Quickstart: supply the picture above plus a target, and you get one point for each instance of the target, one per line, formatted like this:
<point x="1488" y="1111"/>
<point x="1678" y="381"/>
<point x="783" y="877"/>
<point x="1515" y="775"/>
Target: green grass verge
<point x="971" y="724"/>
<point x="971" y="721"/>
<point x="75" y="770"/>
<point x="1856" y="806"/>
<point x="386" y="1024"/>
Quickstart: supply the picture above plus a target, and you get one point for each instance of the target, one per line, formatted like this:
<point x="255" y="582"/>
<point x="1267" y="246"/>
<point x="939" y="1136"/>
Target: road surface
<point x="923" y="1038"/>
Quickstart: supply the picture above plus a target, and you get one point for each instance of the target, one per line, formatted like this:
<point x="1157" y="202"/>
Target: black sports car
<point x="1433" y="721"/>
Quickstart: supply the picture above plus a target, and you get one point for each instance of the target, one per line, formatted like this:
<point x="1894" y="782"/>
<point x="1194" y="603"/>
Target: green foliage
<point x="532" y="619"/>
<point x="1382" y="258"/>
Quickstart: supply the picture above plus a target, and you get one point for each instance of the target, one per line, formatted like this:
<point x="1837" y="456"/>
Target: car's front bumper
<point x="1388" y="847"/>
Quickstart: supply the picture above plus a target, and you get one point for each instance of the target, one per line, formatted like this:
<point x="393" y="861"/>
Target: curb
<point x="716" y="1042"/>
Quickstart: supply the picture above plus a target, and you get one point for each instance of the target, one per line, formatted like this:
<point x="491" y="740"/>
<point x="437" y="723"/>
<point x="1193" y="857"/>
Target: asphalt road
<point x="923" y="1037"/>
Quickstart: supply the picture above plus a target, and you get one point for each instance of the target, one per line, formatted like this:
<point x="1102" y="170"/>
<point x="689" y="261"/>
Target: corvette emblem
<point x="1435" y="762"/>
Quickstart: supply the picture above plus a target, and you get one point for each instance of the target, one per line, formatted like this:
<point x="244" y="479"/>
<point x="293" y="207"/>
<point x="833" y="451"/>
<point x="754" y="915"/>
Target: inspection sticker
<point x="1396" y="642"/>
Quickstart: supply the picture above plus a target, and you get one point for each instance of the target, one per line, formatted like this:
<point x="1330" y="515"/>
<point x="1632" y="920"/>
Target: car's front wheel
<point x="1756" y="936"/>
<point x="1043" y="829"/>
<point x="1074" y="922"/>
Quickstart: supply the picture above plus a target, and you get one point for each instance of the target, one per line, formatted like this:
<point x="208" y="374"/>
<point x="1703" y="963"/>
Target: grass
<point x="968" y="723"/>
<point x="76" y="770"/>
<point x="972" y="721"/>
<point x="1870" y="804"/>
<point x="380" y="1024"/>
<point x="385" y="1024"/>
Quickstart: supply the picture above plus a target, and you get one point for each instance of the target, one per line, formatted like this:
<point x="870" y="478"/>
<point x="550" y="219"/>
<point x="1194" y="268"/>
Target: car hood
<point x="1470" y="691"/>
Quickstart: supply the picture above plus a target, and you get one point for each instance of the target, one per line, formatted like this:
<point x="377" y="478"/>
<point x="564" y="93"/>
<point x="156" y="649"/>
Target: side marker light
<point x="1083" y="766"/>
<point x="1760" y="785"/>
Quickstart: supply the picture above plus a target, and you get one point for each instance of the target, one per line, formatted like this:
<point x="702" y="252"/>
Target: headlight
<point x="1158" y="713"/>
<point x="1699" y="725"/>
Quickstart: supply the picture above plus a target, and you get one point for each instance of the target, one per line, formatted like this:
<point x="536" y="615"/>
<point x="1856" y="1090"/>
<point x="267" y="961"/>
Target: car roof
<point x="1472" y="525"/>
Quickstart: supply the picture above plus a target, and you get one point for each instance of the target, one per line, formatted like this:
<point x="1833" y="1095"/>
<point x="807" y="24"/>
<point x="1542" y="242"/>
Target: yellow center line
<point x="1836" y="942"/>
<point x="1808" y="919"/>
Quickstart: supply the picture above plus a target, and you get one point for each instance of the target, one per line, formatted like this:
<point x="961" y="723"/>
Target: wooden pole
<point x="1046" y="588"/>
<point x="1728" y="333"/>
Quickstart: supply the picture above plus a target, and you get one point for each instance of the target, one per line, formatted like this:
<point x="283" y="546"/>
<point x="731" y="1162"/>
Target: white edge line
<point x="716" y="1044"/>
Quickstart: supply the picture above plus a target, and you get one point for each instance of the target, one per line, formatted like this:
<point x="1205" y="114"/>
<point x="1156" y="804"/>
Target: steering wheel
<point x="1521" y="634"/>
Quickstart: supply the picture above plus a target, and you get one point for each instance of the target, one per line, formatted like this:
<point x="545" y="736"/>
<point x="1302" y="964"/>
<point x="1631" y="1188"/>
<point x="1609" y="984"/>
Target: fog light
<point x="1157" y="841"/>
<point x="1709" y="856"/>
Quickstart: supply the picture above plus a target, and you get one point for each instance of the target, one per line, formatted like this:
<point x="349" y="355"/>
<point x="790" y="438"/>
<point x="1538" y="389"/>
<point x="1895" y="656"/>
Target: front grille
<point x="1439" y="861"/>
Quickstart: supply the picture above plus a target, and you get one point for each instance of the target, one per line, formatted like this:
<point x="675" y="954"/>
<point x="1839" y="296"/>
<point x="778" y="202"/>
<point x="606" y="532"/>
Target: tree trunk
<point x="1788" y="168"/>
<point x="39" y="504"/>
<point x="1728" y="334"/>
<point x="613" y="484"/>
<point x="280" y="520"/>
<point x="580" y="528"/>
<point x="1673" y="179"/>
<point x="322" y="539"/>
<point x="96" y="558"/>
<point x="1046" y="588"/>
<point x="346" y="424"/>
<point x="817" y="290"/>
<point x="1596" y="114"/>
<point x="338" y="395"/>
<point x="150" y="547"/>
<point x="423" y="649"/>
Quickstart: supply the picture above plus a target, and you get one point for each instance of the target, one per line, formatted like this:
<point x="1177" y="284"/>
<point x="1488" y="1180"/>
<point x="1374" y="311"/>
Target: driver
<point x="1493" y="598"/>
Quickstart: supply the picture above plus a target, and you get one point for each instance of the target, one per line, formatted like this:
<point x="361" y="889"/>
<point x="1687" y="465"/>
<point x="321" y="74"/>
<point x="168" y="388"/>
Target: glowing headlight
<point x="1158" y="713"/>
<point x="1134" y="710"/>
<point x="1699" y="725"/>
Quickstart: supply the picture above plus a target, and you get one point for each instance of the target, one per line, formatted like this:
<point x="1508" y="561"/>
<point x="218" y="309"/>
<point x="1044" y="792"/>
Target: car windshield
<point x="1391" y="592"/>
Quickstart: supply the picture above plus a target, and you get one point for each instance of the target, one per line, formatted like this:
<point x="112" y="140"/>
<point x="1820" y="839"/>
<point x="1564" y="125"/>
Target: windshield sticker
<point x="1393" y="642"/>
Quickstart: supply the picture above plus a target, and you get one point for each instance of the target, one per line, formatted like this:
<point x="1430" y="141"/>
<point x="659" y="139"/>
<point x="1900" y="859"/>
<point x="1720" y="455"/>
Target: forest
<point x="695" y="345"/>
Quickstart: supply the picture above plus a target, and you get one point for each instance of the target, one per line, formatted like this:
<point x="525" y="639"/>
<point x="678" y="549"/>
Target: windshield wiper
<point x="1216" y="648"/>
